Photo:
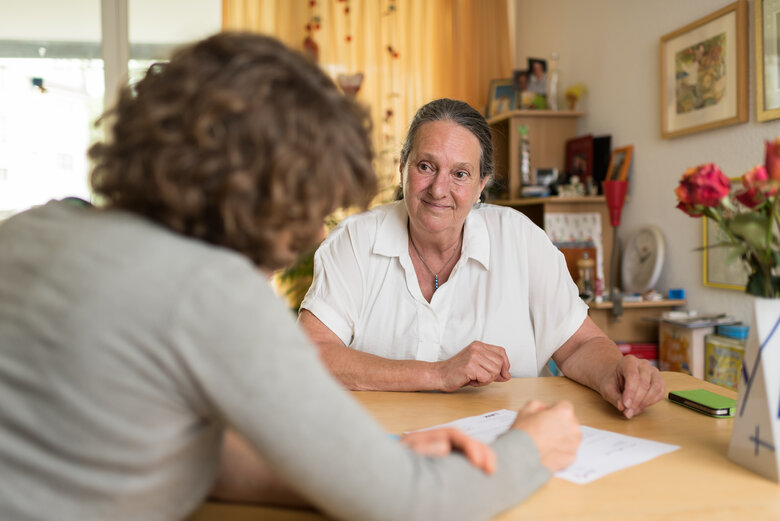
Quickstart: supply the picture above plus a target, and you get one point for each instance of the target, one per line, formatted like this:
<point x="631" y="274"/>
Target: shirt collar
<point x="476" y="241"/>
<point x="393" y="237"/>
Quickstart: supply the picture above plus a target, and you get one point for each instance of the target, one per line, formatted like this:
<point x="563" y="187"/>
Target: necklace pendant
<point x="435" y="283"/>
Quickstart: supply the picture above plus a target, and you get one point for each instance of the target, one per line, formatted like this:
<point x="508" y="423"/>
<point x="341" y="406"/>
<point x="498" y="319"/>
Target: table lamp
<point x="615" y="193"/>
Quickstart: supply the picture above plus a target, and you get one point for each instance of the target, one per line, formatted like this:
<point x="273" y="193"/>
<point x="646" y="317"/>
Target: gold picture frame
<point x="502" y="97"/>
<point x="719" y="268"/>
<point x="704" y="68"/>
<point x="619" y="163"/>
<point x="767" y="29"/>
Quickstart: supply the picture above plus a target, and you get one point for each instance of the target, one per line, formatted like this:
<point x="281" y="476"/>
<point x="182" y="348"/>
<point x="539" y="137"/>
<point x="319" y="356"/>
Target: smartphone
<point x="705" y="402"/>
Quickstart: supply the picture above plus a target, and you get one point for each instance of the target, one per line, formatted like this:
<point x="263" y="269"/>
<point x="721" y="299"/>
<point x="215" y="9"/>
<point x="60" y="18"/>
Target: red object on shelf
<point x="647" y="351"/>
<point x="615" y="192"/>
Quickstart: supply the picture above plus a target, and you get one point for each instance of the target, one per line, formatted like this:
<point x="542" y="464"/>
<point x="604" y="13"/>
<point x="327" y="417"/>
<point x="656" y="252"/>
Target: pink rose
<point x="704" y="185"/>
<point x="751" y="197"/>
<point x="755" y="177"/>
<point x="757" y="187"/>
<point x="689" y="209"/>
<point x="772" y="161"/>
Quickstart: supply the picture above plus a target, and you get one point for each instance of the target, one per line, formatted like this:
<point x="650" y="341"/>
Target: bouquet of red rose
<point x="748" y="215"/>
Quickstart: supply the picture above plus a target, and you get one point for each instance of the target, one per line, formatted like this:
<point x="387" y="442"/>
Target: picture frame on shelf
<point x="619" y="163"/>
<point x="502" y="97"/>
<point x="704" y="79"/>
<point x="537" y="76"/>
<point x="602" y="154"/>
<point x="719" y="267"/>
<point x="767" y="31"/>
<point x="523" y="97"/>
<point x="579" y="157"/>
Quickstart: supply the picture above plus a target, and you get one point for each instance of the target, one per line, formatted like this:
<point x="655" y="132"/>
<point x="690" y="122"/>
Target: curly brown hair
<point x="240" y="142"/>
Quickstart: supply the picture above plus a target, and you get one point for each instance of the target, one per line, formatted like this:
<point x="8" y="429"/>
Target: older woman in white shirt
<point x="438" y="290"/>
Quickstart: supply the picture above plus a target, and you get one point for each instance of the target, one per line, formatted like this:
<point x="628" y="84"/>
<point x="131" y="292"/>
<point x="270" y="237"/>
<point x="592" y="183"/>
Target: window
<point x="52" y="84"/>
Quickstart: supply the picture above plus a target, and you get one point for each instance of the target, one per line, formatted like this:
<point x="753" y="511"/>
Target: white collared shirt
<point x="509" y="288"/>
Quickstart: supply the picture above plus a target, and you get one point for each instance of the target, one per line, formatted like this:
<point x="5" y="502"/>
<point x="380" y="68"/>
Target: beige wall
<point x="613" y="47"/>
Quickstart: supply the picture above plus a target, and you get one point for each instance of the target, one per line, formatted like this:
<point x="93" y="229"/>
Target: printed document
<point x="600" y="453"/>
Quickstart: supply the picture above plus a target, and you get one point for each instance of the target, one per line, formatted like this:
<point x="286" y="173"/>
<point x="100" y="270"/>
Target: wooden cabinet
<point x="536" y="208"/>
<point x="636" y="324"/>
<point x="548" y="131"/>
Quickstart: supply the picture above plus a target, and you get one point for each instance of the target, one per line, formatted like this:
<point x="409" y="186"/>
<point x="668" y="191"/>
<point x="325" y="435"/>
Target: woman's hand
<point x="440" y="442"/>
<point x="633" y="385"/>
<point x="555" y="431"/>
<point x="477" y="364"/>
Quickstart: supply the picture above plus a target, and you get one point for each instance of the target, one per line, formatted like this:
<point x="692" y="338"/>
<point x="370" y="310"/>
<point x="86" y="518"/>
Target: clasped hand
<point x="477" y="364"/>
<point x="633" y="385"/>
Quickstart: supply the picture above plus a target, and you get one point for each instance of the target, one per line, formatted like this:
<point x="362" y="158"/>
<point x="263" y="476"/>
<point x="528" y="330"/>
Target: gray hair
<point x="458" y="112"/>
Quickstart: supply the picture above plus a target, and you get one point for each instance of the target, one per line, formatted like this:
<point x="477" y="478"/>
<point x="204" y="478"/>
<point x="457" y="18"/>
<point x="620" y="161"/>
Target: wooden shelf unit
<point x="633" y="325"/>
<point x="536" y="207"/>
<point x="548" y="131"/>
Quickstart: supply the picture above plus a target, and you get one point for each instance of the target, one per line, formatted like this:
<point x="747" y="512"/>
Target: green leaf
<point x="751" y="228"/>
<point x="755" y="284"/>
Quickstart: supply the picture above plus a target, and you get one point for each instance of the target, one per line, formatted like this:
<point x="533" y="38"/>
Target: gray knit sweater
<point x="126" y="349"/>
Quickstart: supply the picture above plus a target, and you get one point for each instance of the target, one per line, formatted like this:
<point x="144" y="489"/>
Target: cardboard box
<point x="681" y="348"/>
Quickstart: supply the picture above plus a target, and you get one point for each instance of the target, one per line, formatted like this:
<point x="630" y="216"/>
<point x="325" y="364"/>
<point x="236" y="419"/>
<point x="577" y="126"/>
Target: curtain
<point x="409" y="51"/>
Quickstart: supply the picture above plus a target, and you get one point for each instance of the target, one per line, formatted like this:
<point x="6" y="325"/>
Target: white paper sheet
<point x="600" y="453"/>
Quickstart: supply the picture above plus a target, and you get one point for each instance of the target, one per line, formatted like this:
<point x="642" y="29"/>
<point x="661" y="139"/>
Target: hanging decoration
<point x="390" y="148"/>
<point x="310" y="47"/>
<point x="350" y="83"/>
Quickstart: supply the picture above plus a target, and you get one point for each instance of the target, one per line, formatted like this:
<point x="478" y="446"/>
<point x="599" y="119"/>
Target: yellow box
<point x="681" y="348"/>
<point x="723" y="360"/>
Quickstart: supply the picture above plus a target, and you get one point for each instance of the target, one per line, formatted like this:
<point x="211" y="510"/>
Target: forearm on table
<point x="245" y="477"/>
<point x="359" y="371"/>
<point x="591" y="362"/>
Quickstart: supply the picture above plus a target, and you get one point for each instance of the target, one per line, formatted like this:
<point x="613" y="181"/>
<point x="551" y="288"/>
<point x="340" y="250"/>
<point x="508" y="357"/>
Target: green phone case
<point x="705" y="402"/>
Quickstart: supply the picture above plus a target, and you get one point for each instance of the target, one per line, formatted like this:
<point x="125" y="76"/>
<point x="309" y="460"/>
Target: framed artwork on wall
<point x="501" y="98"/>
<point x="767" y="28"/>
<point x="704" y="78"/>
<point x="721" y="268"/>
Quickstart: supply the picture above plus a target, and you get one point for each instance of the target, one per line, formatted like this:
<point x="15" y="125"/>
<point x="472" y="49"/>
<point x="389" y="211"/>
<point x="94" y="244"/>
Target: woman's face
<point x="441" y="179"/>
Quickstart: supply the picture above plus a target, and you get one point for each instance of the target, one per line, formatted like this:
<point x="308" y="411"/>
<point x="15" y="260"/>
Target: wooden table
<point x="696" y="482"/>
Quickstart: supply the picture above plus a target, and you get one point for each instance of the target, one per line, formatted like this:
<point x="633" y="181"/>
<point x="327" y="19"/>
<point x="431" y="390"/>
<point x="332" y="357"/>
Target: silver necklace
<point x="435" y="275"/>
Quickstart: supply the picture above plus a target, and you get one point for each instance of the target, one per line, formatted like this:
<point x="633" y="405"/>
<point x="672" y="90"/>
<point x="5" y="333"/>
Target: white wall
<point x="613" y="47"/>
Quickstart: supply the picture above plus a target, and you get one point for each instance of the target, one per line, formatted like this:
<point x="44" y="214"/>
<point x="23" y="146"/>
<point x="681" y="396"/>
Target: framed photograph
<point x="619" y="163"/>
<point x="579" y="157"/>
<point x="720" y="267"/>
<point x="537" y="76"/>
<point x="502" y="97"/>
<point x="704" y="73"/>
<point x="767" y="25"/>
<point x="523" y="97"/>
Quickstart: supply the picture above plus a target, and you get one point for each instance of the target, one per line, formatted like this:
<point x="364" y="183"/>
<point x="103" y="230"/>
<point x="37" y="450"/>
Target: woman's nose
<point x="440" y="184"/>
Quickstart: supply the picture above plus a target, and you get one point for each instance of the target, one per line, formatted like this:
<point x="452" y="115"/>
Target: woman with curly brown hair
<point x="135" y="333"/>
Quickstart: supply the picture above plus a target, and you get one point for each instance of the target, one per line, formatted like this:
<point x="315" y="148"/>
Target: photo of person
<point x="523" y="96"/>
<point x="537" y="79"/>
<point x="520" y="80"/>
